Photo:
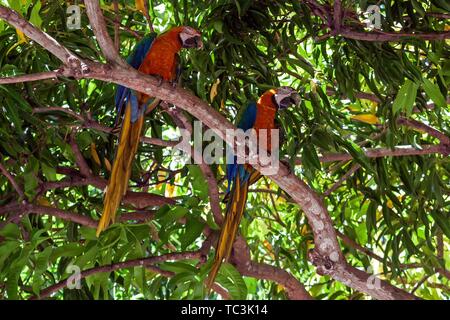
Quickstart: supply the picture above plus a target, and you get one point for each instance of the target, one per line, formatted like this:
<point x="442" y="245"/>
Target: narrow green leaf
<point x="404" y="101"/>
<point x="432" y="91"/>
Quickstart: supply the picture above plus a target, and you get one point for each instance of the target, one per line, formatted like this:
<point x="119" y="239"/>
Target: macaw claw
<point x="160" y="80"/>
<point x="289" y="165"/>
<point x="174" y="83"/>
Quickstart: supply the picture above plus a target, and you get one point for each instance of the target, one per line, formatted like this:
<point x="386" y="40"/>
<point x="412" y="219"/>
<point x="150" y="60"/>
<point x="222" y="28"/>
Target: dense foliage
<point x="356" y="95"/>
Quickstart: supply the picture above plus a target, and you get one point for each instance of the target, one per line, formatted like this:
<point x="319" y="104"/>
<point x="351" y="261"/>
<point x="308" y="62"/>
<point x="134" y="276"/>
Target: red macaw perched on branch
<point x="157" y="56"/>
<point x="260" y="115"/>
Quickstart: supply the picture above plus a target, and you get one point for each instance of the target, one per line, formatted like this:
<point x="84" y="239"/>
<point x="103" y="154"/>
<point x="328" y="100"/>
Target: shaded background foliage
<point x="397" y="207"/>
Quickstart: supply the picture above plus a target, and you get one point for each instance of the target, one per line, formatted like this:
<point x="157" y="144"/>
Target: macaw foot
<point x="288" y="165"/>
<point x="116" y="129"/>
<point x="174" y="83"/>
<point x="160" y="80"/>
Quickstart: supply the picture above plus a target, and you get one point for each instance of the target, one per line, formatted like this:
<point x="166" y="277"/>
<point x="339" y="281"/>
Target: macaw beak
<point x="286" y="97"/>
<point x="296" y="99"/>
<point x="189" y="41"/>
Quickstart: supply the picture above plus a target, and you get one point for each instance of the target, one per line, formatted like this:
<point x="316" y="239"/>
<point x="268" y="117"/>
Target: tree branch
<point x="337" y="16"/>
<point x="61" y="214"/>
<point x="147" y="16"/>
<point x="139" y="200"/>
<point x="144" y="262"/>
<point x="91" y="124"/>
<point x="338" y="183"/>
<point x="98" y="25"/>
<point x="213" y="189"/>
<point x="76" y="66"/>
<point x="398" y="151"/>
<point x="327" y="255"/>
<point x="31" y="77"/>
<point x="445" y="140"/>
<point x="11" y="179"/>
<point x="351" y="243"/>
<point x="79" y="158"/>
<point x="116" y="25"/>
<point x="391" y="36"/>
<point x="241" y="259"/>
<point x="334" y="23"/>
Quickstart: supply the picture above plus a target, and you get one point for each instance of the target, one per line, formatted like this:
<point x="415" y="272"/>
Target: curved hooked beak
<point x="286" y="97"/>
<point x="191" y="41"/>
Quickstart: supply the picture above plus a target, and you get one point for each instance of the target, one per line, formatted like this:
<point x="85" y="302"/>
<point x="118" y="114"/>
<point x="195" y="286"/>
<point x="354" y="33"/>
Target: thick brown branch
<point x="324" y="233"/>
<point x="62" y="214"/>
<point x="116" y="25"/>
<point x="98" y="25"/>
<point x="392" y="36"/>
<point x="139" y="200"/>
<point x="426" y="128"/>
<point x="241" y="259"/>
<point x="145" y="262"/>
<point x="385" y="152"/>
<point x="68" y="58"/>
<point x="337" y="16"/>
<point x="30" y="77"/>
<point x="331" y="16"/>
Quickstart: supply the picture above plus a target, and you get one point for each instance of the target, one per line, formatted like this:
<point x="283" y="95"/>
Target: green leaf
<point x="35" y="18"/>
<point x="432" y="90"/>
<point x="194" y="229"/>
<point x="6" y="250"/>
<point x="442" y="222"/>
<point x="179" y="267"/>
<point x="48" y="171"/>
<point x="310" y="157"/>
<point x="232" y="280"/>
<point x="10" y="231"/>
<point x="218" y="25"/>
<point x="406" y="96"/>
<point x="39" y="268"/>
<point x="30" y="177"/>
<point x="198" y="182"/>
<point x="172" y="215"/>
<point x="66" y="250"/>
<point x="12" y="284"/>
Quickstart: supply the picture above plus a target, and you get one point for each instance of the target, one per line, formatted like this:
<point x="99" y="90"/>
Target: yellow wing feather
<point x="121" y="170"/>
<point x="235" y="211"/>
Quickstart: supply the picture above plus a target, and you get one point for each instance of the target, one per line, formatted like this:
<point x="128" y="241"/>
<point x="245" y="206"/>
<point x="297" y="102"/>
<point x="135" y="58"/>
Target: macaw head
<point x="285" y="97"/>
<point x="190" y="38"/>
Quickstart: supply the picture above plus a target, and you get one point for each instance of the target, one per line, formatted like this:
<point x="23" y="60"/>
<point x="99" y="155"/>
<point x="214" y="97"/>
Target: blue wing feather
<point x="246" y="122"/>
<point x="135" y="59"/>
<point x="248" y="118"/>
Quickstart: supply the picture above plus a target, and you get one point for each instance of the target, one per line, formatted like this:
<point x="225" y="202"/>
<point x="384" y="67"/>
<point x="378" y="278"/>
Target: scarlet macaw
<point x="259" y="115"/>
<point x="153" y="55"/>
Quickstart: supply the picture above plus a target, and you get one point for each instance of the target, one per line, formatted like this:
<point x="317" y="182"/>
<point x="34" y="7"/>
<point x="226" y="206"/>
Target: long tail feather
<point x="121" y="170"/>
<point x="235" y="211"/>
